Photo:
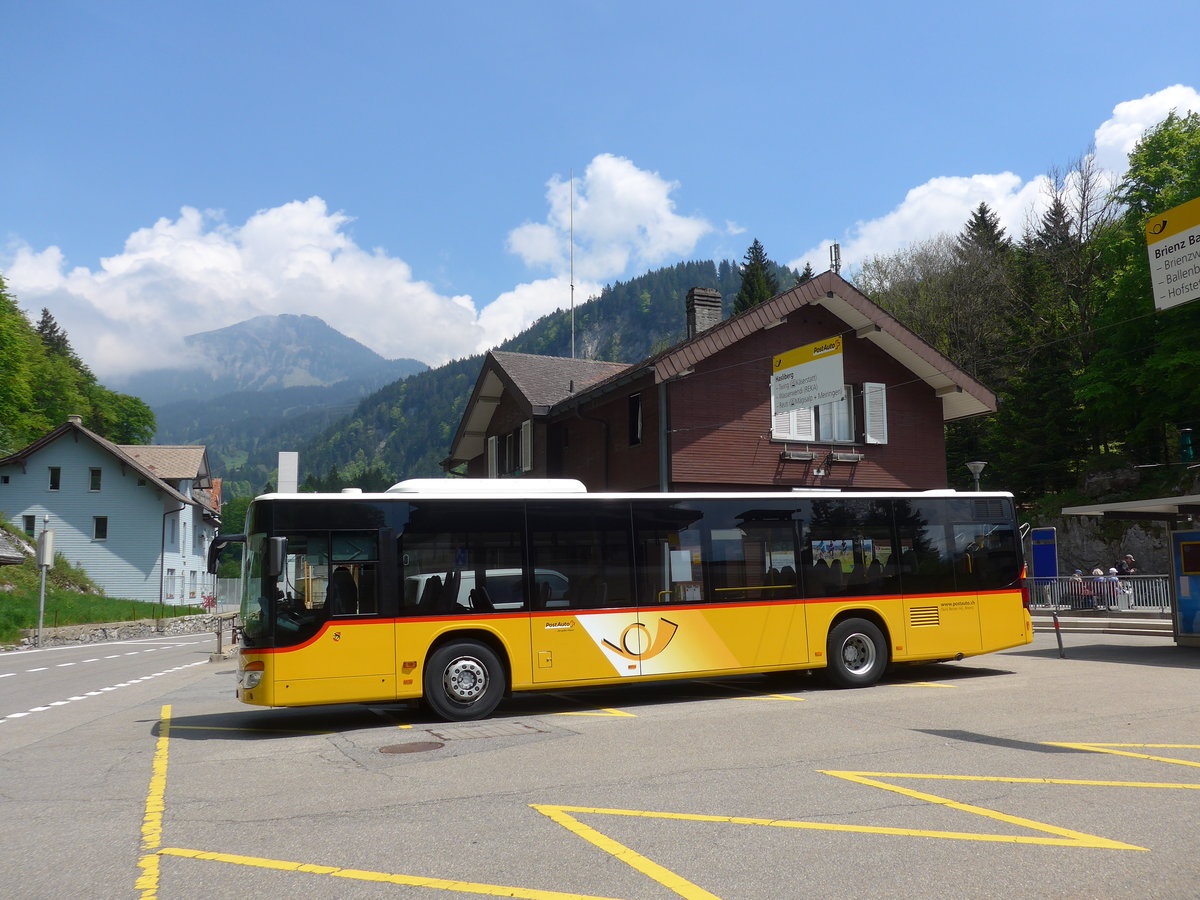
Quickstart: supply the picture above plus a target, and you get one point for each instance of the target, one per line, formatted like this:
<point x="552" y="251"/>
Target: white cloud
<point x="197" y="273"/>
<point x="944" y="204"/>
<point x="1131" y="119"/>
<point x="623" y="217"/>
<point x="939" y="205"/>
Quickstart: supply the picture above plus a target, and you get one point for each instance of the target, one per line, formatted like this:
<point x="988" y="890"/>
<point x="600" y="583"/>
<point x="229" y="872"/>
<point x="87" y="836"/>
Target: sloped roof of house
<point x="553" y="384"/>
<point x="961" y="395"/>
<point x="172" y="461"/>
<point x="75" y="426"/>
<point x="536" y="382"/>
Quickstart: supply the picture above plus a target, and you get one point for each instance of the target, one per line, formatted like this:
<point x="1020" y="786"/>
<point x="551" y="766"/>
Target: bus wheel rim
<point x="858" y="653"/>
<point x="465" y="679"/>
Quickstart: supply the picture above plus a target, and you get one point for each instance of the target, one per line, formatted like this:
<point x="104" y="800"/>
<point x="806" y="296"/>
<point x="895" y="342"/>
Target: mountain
<point x="267" y="353"/>
<point x="267" y="384"/>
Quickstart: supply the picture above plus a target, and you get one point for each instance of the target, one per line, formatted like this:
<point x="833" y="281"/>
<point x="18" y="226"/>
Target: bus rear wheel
<point x="857" y="653"/>
<point x="464" y="680"/>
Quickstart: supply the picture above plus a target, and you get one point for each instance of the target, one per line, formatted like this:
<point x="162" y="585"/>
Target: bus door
<point x="941" y="606"/>
<point x="332" y="610"/>
<point x="709" y="573"/>
<point x="584" y="621"/>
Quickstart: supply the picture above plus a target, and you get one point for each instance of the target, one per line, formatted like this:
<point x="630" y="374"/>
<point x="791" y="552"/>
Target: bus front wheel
<point x="857" y="653"/>
<point x="464" y="680"/>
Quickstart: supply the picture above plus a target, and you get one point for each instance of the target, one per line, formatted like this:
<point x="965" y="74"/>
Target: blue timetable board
<point x="1044" y="561"/>
<point x="1185" y="560"/>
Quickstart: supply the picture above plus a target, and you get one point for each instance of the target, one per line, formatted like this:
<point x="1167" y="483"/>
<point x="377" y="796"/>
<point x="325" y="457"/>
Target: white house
<point x="137" y="519"/>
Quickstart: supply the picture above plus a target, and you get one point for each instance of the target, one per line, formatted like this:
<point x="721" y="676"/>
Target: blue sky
<point x="401" y="169"/>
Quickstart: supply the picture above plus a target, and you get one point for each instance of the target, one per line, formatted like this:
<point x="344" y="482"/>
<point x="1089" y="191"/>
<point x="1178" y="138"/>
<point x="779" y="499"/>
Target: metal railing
<point x="1137" y="593"/>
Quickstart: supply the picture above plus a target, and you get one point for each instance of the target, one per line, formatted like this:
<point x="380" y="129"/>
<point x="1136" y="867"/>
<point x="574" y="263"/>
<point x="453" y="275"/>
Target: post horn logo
<point x="1159" y="228"/>
<point x="655" y="646"/>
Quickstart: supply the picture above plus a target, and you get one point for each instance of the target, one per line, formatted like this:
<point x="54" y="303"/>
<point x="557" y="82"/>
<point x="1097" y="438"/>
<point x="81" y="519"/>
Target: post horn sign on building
<point x="807" y="376"/>
<point x="1173" y="242"/>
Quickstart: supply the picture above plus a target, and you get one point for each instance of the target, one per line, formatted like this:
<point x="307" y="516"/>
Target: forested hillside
<point x="42" y="382"/>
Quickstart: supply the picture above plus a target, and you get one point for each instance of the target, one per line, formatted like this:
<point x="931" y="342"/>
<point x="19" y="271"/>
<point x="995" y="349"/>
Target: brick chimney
<point x="703" y="310"/>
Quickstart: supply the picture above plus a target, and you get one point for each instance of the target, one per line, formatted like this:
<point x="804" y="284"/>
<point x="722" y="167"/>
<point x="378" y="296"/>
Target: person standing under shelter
<point x="1127" y="566"/>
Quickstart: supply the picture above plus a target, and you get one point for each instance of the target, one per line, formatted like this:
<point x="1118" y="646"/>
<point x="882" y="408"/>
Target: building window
<point x="836" y="422"/>
<point x="29" y="524"/>
<point x="55" y="478"/>
<point x="635" y="419"/>
<point x="171" y="539"/>
<point x="93" y="479"/>
<point x="100" y="528"/>
<point x="170" y="584"/>
<point x="3" y="479"/>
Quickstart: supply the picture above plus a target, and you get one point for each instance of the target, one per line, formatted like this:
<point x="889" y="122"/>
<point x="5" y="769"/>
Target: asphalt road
<point x="129" y="769"/>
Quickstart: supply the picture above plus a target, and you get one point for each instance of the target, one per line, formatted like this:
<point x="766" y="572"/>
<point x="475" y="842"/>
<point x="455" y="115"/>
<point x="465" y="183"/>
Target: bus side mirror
<point x="276" y="554"/>
<point x="214" y="549"/>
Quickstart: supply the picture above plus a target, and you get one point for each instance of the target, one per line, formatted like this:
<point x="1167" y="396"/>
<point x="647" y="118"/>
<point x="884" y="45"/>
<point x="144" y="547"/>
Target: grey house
<point x="138" y="519"/>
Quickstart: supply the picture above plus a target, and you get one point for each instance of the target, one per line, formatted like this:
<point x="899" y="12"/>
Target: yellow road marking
<point x="465" y="887"/>
<point x="771" y="697"/>
<point x="647" y="867"/>
<point x="604" y="711"/>
<point x="1104" y="748"/>
<point x="933" y="684"/>
<point x="1066" y="836"/>
<point x="152" y="821"/>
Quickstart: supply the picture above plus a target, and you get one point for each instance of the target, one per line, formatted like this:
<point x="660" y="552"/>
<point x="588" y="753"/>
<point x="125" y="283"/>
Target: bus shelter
<point x="1182" y="517"/>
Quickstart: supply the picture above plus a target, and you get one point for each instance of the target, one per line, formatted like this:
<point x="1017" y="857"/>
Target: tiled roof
<point x="546" y="380"/>
<point x="169" y="461"/>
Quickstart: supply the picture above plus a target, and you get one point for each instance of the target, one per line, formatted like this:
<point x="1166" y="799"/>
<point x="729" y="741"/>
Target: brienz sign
<point x="1173" y="242"/>
<point x="807" y="376"/>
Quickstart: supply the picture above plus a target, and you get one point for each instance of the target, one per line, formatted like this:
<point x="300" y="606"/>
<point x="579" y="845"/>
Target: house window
<point x="171" y="540"/>
<point x="29" y="524"/>
<point x="100" y="528"/>
<point x="836" y="421"/>
<point x="3" y="479"/>
<point x="93" y="479"/>
<point x="55" y="478"/>
<point x="170" y="585"/>
<point x="192" y="584"/>
<point x="635" y="419"/>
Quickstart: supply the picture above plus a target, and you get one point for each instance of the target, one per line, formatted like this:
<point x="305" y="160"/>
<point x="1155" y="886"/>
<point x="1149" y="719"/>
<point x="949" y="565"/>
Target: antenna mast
<point x="572" y="172"/>
<point x="835" y="258"/>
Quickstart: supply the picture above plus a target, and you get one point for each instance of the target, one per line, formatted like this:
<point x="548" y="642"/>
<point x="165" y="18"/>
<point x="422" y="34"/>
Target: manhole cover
<point x="414" y="747"/>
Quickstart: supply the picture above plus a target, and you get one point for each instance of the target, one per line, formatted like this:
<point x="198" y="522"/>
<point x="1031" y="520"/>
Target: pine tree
<point x="806" y="275"/>
<point x="758" y="279"/>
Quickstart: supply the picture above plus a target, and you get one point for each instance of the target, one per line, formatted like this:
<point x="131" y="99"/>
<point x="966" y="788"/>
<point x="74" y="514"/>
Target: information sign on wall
<point x="807" y="376"/>
<point x="1173" y="242"/>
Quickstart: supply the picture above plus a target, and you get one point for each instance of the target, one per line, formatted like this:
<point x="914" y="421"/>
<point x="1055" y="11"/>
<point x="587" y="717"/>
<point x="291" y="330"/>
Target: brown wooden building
<point x="699" y="415"/>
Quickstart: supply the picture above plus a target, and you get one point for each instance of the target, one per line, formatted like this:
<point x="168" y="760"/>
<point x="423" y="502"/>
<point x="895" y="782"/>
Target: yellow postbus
<point x="457" y="592"/>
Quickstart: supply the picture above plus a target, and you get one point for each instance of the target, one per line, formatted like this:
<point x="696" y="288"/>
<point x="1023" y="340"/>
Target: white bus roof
<point x="492" y="487"/>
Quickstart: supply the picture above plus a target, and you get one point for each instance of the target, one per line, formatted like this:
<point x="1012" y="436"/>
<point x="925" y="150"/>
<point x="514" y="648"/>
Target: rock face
<point x="1086" y="543"/>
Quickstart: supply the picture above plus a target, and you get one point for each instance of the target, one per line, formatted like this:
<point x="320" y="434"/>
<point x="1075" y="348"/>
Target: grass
<point x="71" y="599"/>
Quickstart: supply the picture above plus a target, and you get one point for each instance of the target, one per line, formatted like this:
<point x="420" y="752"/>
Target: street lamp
<point x="976" y="467"/>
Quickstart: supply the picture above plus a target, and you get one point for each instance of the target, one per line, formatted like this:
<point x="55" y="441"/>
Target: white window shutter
<point x="875" y="412"/>
<point x="493" y="463"/>
<point x="797" y="425"/>
<point x="527" y="445"/>
<point x="804" y="424"/>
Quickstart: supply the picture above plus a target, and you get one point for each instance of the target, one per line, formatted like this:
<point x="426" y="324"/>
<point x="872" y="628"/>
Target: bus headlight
<point x="251" y="676"/>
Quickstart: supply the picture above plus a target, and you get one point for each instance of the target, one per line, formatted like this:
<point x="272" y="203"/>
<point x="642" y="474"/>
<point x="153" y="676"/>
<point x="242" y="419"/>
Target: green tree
<point x="758" y="279"/>
<point x="1143" y="374"/>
